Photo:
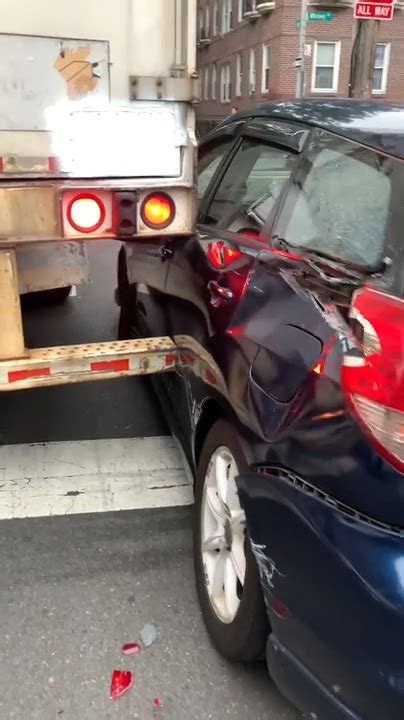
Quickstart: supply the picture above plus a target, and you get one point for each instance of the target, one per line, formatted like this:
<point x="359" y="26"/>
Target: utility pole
<point x="363" y="58"/>
<point x="302" y="41"/>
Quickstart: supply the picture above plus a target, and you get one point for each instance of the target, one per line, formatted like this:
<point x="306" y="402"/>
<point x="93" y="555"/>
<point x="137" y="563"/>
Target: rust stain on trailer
<point x="77" y="71"/>
<point x="145" y="365"/>
<point x="28" y="212"/>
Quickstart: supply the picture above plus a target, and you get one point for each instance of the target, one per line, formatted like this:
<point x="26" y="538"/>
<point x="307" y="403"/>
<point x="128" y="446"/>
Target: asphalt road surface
<point x="95" y="542"/>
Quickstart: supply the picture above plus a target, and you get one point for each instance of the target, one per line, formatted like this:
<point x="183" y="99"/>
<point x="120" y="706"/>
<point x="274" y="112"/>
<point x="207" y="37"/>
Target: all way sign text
<point x="374" y="11"/>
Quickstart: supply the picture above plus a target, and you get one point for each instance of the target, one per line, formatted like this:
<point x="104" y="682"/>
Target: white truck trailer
<point x="97" y="140"/>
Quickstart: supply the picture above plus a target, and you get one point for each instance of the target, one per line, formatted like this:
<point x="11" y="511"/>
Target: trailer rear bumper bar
<point x="103" y="361"/>
<point x="94" y="361"/>
<point x="22" y="368"/>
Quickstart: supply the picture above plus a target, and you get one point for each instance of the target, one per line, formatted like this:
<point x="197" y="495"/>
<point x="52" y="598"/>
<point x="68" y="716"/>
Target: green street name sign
<point x="322" y="15"/>
<point x="316" y="16"/>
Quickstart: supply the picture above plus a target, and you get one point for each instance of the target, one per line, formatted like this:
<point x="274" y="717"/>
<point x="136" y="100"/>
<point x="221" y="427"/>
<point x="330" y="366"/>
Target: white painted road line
<point x="91" y="476"/>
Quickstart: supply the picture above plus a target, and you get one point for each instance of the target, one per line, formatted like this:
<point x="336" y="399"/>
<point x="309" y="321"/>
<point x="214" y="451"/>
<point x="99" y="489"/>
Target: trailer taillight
<point x="158" y="211"/>
<point x="86" y="212"/>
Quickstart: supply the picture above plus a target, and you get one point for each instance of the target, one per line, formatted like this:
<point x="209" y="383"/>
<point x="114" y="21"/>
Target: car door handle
<point x="218" y="293"/>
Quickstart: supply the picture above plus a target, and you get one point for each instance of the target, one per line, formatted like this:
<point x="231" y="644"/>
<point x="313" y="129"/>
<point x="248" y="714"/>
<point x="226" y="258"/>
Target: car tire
<point x="122" y="278"/>
<point x="128" y="327"/>
<point x="125" y="298"/>
<point x="241" y="634"/>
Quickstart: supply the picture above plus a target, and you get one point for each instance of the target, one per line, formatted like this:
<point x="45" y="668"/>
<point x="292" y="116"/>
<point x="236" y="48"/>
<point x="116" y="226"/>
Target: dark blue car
<point x="288" y="399"/>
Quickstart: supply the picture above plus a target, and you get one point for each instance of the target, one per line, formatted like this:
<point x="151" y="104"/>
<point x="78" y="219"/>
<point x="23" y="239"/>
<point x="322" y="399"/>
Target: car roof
<point x="379" y="125"/>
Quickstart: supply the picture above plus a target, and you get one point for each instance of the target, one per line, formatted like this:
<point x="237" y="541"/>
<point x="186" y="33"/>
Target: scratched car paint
<point x="291" y="293"/>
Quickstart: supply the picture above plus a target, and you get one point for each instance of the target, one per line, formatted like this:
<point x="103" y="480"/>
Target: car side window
<point x="250" y="186"/>
<point x="339" y="202"/>
<point x="209" y="161"/>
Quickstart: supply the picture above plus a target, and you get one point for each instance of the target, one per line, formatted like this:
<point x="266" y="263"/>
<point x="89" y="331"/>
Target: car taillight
<point x="221" y="255"/>
<point x="373" y="379"/>
<point x="249" y="232"/>
<point x="86" y="212"/>
<point x="157" y="211"/>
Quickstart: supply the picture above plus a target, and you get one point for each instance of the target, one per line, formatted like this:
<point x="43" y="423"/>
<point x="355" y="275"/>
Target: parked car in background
<point x="288" y="401"/>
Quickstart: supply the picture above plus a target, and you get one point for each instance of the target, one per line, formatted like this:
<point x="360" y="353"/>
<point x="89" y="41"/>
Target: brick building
<point x="246" y="50"/>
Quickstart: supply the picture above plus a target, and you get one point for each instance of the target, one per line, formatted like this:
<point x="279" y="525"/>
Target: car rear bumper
<point x="334" y="586"/>
<point x="302" y="687"/>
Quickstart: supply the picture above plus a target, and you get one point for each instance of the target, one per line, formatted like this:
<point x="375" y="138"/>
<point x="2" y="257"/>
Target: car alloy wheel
<point x="226" y="573"/>
<point x="223" y="536"/>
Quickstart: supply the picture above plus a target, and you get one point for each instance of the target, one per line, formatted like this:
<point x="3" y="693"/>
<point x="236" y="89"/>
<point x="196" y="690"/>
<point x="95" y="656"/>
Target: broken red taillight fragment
<point x="221" y="255"/>
<point x="121" y="681"/>
<point x="131" y="648"/>
<point x="373" y="379"/>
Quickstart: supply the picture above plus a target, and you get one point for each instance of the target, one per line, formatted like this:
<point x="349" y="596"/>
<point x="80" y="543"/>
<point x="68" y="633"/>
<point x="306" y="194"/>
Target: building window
<point x="225" y="83"/>
<point x="265" y="68"/>
<point x="381" y="68"/>
<point x="206" y="84"/>
<point x="227" y="15"/>
<point x="214" y="81"/>
<point x="200" y="24"/>
<point x="240" y="12"/>
<point x="215" y="18"/>
<point x="326" y="66"/>
<point x="207" y="21"/>
<point x="253" y="72"/>
<point x="239" y="74"/>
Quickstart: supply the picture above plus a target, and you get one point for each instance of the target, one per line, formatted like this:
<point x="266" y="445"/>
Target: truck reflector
<point x="17" y="375"/>
<point x="112" y="365"/>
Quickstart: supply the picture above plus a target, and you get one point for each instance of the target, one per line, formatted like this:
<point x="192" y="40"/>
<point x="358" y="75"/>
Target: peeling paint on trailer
<point x="77" y="70"/>
<point x="45" y="78"/>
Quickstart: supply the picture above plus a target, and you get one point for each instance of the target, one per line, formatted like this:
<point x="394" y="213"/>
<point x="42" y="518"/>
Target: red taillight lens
<point x="86" y="213"/>
<point x="220" y="255"/>
<point x="249" y="232"/>
<point x="374" y="379"/>
<point x="231" y="254"/>
<point x="158" y="211"/>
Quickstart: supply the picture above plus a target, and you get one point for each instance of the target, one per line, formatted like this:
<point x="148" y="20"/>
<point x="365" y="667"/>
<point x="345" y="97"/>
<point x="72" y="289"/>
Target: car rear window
<point x="342" y="201"/>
